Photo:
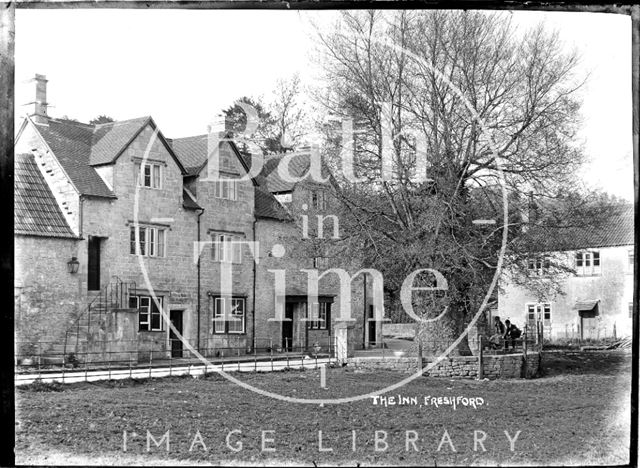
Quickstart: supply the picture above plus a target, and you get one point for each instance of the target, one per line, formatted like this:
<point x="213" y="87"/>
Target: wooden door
<point x="93" y="264"/>
<point x="588" y="324"/>
<point x="287" y="327"/>
<point x="372" y="327"/>
<point x="176" y="344"/>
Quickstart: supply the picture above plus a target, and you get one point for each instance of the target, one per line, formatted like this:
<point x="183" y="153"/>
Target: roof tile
<point x="36" y="209"/>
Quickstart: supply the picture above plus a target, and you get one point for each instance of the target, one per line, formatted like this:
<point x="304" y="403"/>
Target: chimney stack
<point x="39" y="112"/>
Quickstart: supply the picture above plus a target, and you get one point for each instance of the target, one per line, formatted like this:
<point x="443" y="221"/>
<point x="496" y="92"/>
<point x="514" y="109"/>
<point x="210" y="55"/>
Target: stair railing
<point x="114" y="296"/>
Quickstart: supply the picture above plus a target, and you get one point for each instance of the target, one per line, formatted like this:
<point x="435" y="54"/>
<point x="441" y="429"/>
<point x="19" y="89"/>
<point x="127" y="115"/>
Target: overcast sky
<point x="184" y="66"/>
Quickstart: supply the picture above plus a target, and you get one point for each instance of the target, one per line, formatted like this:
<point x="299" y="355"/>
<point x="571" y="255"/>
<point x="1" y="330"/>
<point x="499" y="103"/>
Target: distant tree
<point x="262" y="134"/>
<point x="288" y="113"/>
<point x="101" y="119"/>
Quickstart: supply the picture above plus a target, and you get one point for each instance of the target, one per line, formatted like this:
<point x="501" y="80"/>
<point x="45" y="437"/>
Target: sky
<point x="184" y="66"/>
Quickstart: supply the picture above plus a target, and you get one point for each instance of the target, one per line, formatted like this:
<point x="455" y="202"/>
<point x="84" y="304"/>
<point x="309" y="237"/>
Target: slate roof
<point x="36" y="211"/>
<point x="616" y="230"/>
<point x="71" y="143"/>
<point x="79" y="147"/>
<point x="298" y="167"/>
<point x="110" y="139"/>
<point x="189" y="201"/>
<point x="266" y="205"/>
<point x="192" y="152"/>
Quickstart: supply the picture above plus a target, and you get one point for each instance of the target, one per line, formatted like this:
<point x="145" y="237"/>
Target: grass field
<point x="578" y="413"/>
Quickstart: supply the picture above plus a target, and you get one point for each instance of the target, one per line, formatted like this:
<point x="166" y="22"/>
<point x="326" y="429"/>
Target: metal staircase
<point x="93" y="320"/>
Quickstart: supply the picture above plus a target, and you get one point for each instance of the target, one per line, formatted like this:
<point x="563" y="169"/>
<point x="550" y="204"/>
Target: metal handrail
<point x="114" y="293"/>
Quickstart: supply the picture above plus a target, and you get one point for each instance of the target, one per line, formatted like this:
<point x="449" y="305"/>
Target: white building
<point x="596" y="301"/>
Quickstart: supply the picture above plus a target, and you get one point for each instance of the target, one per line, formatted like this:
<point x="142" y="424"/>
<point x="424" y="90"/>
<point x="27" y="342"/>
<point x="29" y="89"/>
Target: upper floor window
<point x="233" y="320"/>
<point x="151" y="240"/>
<point x="318" y="200"/>
<point x="323" y="320"/>
<point x="149" y="175"/>
<point x="226" y="189"/>
<point x="630" y="261"/>
<point x="149" y="315"/>
<point x="588" y="263"/>
<point x="227" y="248"/>
<point x="539" y="265"/>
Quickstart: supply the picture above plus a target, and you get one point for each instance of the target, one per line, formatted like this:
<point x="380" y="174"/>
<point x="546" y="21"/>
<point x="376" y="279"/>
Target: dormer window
<point x="149" y="175"/>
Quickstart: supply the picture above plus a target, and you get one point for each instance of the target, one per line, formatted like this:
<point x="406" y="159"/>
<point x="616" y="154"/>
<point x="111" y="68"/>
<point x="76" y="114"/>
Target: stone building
<point x="119" y="228"/>
<point x="597" y="296"/>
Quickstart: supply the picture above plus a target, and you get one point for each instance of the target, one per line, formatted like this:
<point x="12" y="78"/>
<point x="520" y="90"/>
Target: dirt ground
<point x="578" y="413"/>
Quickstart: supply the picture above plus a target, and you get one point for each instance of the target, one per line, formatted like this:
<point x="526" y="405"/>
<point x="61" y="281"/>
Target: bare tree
<point x="477" y="101"/>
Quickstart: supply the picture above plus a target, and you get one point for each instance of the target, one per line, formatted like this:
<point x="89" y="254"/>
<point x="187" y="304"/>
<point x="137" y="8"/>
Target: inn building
<point x="115" y="223"/>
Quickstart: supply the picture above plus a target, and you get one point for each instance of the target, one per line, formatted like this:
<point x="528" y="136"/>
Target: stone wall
<point x="47" y="298"/>
<point x="507" y="366"/>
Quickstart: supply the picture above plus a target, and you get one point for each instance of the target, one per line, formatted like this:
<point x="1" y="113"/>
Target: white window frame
<point x="227" y="248"/>
<point x="145" y="305"/>
<point x="155" y="169"/>
<point x="588" y="263"/>
<point x="222" y="326"/>
<point x="540" y="311"/>
<point x="153" y="241"/>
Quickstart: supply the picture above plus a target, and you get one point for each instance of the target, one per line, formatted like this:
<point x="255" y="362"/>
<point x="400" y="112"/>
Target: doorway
<point x="93" y="264"/>
<point x="287" y="327"/>
<point x="176" y="344"/>
<point x="372" y="328"/>
<point x="589" y="323"/>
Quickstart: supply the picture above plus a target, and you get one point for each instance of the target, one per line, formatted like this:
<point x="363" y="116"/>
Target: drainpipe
<point x="253" y="314"/>
<point x="198" y="282"/>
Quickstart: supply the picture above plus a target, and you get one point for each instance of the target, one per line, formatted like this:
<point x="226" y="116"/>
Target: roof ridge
<point x="71" y="122"/>
<point x="118" y="122"/>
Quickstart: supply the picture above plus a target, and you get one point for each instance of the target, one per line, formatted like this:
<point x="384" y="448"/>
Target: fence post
<point x="480" y="358"/>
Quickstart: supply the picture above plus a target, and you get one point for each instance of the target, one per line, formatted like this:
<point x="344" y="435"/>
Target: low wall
<point x="505" y="366"/>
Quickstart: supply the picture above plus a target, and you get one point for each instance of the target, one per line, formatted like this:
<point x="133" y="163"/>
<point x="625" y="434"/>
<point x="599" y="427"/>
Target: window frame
<point x="588" y="263"/>
<point x="223" y="254"/>
<point x="151" y="238"/>
<point x="226" y="189"/>
<point x="323" y="322"/>
<point x="540" y="310"/>
<point x="141" y="175"/>
<point x="217" y="316"/>
<point x="318" y="200"/>
<point x="147" y="325"/>
<point x="539" y="266"/>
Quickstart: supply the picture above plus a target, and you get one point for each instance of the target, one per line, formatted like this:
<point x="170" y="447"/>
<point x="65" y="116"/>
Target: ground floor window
<point x="538" y="312"/>
<point x="323" y="319"/>
<point x="149" y="315"/>
<point x="228" y="315"/>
